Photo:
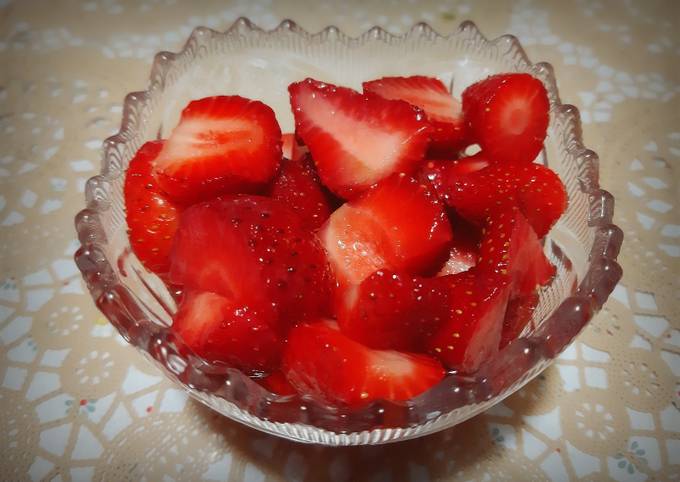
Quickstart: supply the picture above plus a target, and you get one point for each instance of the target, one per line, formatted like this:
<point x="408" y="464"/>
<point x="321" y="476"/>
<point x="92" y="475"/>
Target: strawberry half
<point x="395" y="311"/>
<point x="290" y="149"/>
<point x="356" y="140"/>
<point x="510" y="248"/>
<point x="471" y="334"/>
<point x="398" y="224"/>
<point x="536" y="189"/>
<point x="320" y="361"/>
<point x="223" y="144"/>
<point x="254" y="250"/>
<point x="508" y="116"/>
<point x="444" y="112"/>
<point x="220" y="330"/>
<point x="297" y="186"/>
<point x="151" y="217"/>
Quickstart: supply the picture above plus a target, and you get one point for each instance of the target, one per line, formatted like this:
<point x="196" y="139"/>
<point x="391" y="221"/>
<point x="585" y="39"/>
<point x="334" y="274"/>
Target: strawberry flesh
<point x="517" y="316"/>
<point x="395" y="311"/>
<point x="256" y="251"/>
<point x="508" y="116"/>
<point x="277" y="383"/>
<point x="510" y="248"/>
<point x="223" y="144"/>
<point x="151" y="217"/>
<point x="444" y="112"/>
<point x="297" y="186"/>
<point x="219" y="330"/>
<point x="357" y="139"/>
<point x="471" y="333"/>
<point x="322" y="362"/>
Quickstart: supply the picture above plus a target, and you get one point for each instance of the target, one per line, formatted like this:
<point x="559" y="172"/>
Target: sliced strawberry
<point x="254" y="250"/>
<point x="223" y="144"/>
<point x="220" y="330"/>
<point x="509" y="247"/>
<point x="324" y="363"/>
<point x="508" y="116"/>
<point x="517" y="316"/>
<point x="471" y="334"/>
<point x="356" y="140"/>
<point x="298" y="187"/>
<point x="290" y="147"/>
<point x="537" y="190"/>
<point x="151" y="217"/>
<point x="398" y="224"/>
<point x="430" y="94"/>
<point x="395" y="311"/>
<point x="276" y="382"/>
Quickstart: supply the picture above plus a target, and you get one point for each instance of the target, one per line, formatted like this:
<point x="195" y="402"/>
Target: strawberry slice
<point x="254" y="250"/>
<point x="297" y="186"/>
<point x="356" y="140"/>
<point x="290" y="147"/>
<point x="509" y="247"/>
<point x="319" y="360"/>
<point x="536" y="189"/>
<point x="395" y="311"/>
<point x="472" y="331"/>
<point x="517" y="316"/>
<point x="398" y="224"/>
<point x="220" y="330"/>
<point x="444" y="112"/>
<point x="508" y="116"/>
<point x="223" y="144"/>
<point x="151" y="217"/>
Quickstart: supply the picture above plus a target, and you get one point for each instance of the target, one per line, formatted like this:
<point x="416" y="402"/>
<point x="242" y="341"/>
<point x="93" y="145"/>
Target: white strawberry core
<point x="389" y="364"/>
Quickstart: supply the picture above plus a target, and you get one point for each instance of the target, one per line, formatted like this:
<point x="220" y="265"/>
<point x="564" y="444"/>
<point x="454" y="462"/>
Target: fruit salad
<point x="393" y="238"/>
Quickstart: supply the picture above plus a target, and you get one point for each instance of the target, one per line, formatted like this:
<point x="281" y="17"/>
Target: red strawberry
<point x="151" y="217"/>
<point x="398" y="224"/>
<point x="220" y="330"/>
<point x="471" y="334"/>
<point x="517" y="316"/>
<point x="321" y="361"/>
<point x="290" y="147"/>
<point x="465" y="247"/>
<point x="395" y="311"/>
<point x="276" y="382"/>
<point x="253" y="250"/>
<point x="298" y="187"/>
<point x="224" y="144"/>
<point x="430" y="94"/>
<point x="537" y="190"/>
<point x="508" y="116"/>
<point x="356" y="140"/>
<point x="509" y="247"/>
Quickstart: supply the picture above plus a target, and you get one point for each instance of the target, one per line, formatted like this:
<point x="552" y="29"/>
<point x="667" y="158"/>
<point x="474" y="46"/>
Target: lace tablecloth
<point x="76" y="403"/>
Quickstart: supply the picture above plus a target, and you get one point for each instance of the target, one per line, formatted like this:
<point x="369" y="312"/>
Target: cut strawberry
<point x="253" y="250"/>
<point x="508" y="116"/>
<point x="464" y="249"/>
<point x="321" y="361"/>
<point x="297" y="186"/>
<point x="430" y="94"/>
<point x="276" y="382"/>
<point x="471" y="334"/>
<point x="517" y="316"/>
<point x="398" y="224"/>
<point x="510" y="248"/>
<point x="395" y="311"/>
<point x="151" y="217"/>
<point x="537" y="190"/>
<point x="224" y="144"/>
<point x="290" y="147"/>
<point x="220" y="330"/>
<point x="356" y="140"/>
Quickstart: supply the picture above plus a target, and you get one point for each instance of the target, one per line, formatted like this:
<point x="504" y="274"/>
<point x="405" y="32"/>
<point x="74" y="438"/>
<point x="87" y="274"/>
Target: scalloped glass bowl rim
<point x="593" y="290"/>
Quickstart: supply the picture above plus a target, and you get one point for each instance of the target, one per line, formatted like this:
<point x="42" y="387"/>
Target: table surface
<point x="76" y="403"/>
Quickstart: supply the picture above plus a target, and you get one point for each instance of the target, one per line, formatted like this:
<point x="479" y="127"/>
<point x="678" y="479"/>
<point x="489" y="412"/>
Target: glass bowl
<point x="259" y="64"/>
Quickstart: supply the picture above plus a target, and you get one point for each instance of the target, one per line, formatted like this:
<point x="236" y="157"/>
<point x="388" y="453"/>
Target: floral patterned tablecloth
<point x="76" y="403"/>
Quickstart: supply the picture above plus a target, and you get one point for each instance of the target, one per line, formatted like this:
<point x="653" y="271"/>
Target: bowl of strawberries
<point x="348" y="241"/>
